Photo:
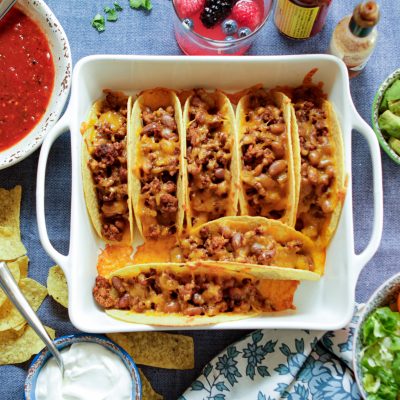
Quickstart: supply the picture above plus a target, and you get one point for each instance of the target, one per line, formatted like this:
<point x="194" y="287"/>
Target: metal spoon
<point x="11" y="289"/>
<point x="5" y="7"/>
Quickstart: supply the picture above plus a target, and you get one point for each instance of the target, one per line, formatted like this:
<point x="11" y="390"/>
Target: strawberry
<point x="186" y="8"/>
<point x="247" y="13"/>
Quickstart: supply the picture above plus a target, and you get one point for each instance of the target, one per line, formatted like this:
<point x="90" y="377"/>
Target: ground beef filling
<point x="188" y="293"/>
<point x="264" y="157"/>
<point x="208" y="158"/>
<point x="108" y="165"/>
<point x="250" y="246"/>
<point x="159" y="153"/>
<point x="316" y="202"/>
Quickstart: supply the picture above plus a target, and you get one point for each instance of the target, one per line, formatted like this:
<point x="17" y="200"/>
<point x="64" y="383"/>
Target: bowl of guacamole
<point x="386" y="115"/>
<point x="376" y="349"/>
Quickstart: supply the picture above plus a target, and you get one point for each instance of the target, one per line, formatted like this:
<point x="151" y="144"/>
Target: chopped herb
<point x="99" y="23"/>
<point x="112" y="15"/>
<point x="117" y="6"/>
<point x="146" y="4"/>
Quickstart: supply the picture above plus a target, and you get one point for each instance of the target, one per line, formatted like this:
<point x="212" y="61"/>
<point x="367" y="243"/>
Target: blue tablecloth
<point x="139" y="32"/>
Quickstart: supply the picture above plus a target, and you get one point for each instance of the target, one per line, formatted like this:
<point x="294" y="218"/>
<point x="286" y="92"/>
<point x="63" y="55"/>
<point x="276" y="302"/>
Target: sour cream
<point x="91" y="372"/>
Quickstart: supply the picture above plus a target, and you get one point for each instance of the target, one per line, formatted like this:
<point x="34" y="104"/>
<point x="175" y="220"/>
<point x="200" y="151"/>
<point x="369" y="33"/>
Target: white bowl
<point x="326" y="304"/>
<point x="39" y="12"/>
<point x="383" y="296"/>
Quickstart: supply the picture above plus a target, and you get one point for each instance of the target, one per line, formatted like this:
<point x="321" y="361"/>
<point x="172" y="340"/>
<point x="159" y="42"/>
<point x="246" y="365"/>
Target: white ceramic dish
<point x="39" y="12"/>
<point x="326" y="304"/>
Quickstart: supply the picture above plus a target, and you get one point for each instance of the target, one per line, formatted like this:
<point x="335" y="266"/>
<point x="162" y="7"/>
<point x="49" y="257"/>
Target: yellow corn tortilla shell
<point x="89" y="188"/>
<point x="148" y="393"/>
<point x="11" y="246"/>
<point x="23" y="266"/>
<point x="154" y="98"/>
<point x="283" y="290"/>
<point x="283" y="102"/>
<point x="16" y="349"/>
<point x="34" y="293"/>
<point x="15" y="272"/>
<point x="225" y="108"/>
<point x="339" y="186"/>
<point x="57" y="285"/>
<point x="280" y="232"/>
<point x="157" y="349"/>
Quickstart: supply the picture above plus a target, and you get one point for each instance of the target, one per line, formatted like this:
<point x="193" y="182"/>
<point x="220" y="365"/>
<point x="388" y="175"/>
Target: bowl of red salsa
<point x="35" y="71"/>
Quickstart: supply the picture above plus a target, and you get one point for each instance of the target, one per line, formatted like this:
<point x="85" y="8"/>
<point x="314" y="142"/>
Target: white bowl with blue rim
<point x="385" y="295"/>
<point x="64" y="341"/>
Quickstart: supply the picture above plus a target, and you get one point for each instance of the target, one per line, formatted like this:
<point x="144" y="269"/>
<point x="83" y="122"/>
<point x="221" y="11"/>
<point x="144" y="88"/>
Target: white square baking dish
<point x="325" y="304"/>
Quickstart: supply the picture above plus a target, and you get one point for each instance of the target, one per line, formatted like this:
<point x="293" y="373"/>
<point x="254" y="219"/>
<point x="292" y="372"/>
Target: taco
<point x="321" y="155"/>
<point x="156" y="151"/>
<point x="265" y="247"/>
<point x="181" y="295"/>
<point x="211" y="173"/>
<point x="105" y="168"/>
<point x="267" y="171"/>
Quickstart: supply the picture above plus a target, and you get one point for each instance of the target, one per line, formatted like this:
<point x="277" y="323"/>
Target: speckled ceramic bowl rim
<point x="375" y="115"/>
<point x="59" y="46"/>
<point x="381" y="297"/>
<point x="65" y="341"/>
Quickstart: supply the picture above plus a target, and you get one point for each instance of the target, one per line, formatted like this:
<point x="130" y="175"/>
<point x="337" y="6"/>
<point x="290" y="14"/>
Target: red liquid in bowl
<point x="189" y="41"/>
<point x="26" y="76"/>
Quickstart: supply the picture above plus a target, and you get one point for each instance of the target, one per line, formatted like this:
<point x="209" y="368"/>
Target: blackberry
<point x="215" y="11"/>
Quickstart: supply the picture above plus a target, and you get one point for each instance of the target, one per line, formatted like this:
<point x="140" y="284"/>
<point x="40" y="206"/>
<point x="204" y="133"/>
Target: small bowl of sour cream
<point x="95" y="368"/>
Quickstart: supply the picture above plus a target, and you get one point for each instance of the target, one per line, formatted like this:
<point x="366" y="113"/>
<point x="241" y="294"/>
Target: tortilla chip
<point x="34" y="293"/>
<point x="23" y="266"/>
<point x="15" y="272"/>
<point x="11" y="246"/>
<point x="57" y="285"/>
<point x="157" y="349"/>
<point x="148" y="393"/>
<point x="16" y="349"/>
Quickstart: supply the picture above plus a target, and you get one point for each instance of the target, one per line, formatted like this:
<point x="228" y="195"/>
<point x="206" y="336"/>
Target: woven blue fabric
<point x="138" y="32"/>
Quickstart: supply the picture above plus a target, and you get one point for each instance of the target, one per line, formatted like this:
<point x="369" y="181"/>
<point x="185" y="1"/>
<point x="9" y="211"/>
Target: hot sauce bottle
<point x="354" y="37"/>
<point x="300" y="19"/>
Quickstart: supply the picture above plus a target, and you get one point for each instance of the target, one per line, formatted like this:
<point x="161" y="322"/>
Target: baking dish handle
<point x="362" y="259"/>
<point x="60" y="127"/>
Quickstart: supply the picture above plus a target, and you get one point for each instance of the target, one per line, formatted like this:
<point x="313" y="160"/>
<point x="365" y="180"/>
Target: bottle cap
<point x="365" y="17"/>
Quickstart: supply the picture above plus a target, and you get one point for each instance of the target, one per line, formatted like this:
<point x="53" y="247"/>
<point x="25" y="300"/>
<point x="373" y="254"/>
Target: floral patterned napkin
<point x="281" y="364"/>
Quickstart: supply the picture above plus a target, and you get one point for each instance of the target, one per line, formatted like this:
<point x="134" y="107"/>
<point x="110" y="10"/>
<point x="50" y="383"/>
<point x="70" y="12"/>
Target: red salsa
<point x="26" y="76"/>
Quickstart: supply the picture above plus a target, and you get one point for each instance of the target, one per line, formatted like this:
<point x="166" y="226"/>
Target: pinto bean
<point x="314" y="157"/>
<point x="123" y="302"/>
<point x="117" y="283"/>
<point x="256" y="248"/>
<point x="324" y="163"/>
<point x="168" y="134"/>
<point x="277" y="129"/>
<point x="171" y="307"/>
<point x="278" y="149"/>
<point x="237" y="240"/>
<point x="326" y="206"/>
<point x="265" y="257"/>
<point x="277" y="167"/>
<point x="219" y="173"/>
<point x="192" y="311"/>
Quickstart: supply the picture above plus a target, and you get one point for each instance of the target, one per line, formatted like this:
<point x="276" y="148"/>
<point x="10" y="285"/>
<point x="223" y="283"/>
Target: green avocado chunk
<point x="390" y="123"/>
<point x="395" y="144"/>
<point x="392" y="93"/>
<point x="394" y="107"/>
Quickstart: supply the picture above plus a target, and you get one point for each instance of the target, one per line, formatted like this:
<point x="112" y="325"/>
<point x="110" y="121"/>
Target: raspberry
<point x="247" y="13"/>
<point x="187" y="8"/>
<point x="215" y="11"/>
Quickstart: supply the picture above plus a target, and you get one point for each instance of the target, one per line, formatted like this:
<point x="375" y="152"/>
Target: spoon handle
<point x="5" y="7"/>
<point x="11" y="289"/>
